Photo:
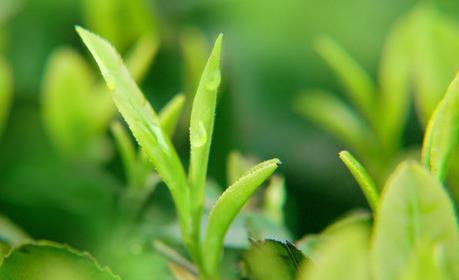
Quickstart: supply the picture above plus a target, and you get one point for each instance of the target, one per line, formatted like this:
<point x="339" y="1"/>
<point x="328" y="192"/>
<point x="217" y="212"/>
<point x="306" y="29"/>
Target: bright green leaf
<point x="170" y="114"/>
<point x="201" y="129"/>
<point x="414" y="209"/>
<point x="226" y="209"/>
<point x="143" y="122"/>
<point x="360" y="88"/>
<point x="425" y="262"/>
<point x="274" y="199"/>
<point x="48" y="261"/>
<point x="362" y="177"/>
<point x="442" y="131"/>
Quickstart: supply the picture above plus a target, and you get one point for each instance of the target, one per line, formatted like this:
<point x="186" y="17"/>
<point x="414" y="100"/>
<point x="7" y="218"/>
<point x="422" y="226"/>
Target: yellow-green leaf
<point x="360" y="88"/>
<point x="170" y="114"/>
<point x="201" y="129"/>
<point x="442" y="131"/>
<point x="6" y="84"/>
<point x="414" y="209"/>
<point x="342" y="256"/>
<point x="226" y="209"/>
<point x="362" y="177"/>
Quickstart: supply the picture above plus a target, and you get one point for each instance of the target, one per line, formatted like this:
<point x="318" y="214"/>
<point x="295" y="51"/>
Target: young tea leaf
<point x="442" y="131"/>
<point x="201" y="129"/>
<point x="226" y="209"/>
<point x="425" y="262"/>
<point x="343" y="256"/>
<point x="336" y="117"/>
<point x="414" y="209"/>
<point x="170" y="114"/>
<point x="361" y="89"/>
<point x="362" y="177"/>
<point x="143" y="122"/>
<point x="49" y="261"/>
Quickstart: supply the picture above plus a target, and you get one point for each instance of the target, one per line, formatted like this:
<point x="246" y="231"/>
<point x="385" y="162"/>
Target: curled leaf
<point x="362" y="177"/>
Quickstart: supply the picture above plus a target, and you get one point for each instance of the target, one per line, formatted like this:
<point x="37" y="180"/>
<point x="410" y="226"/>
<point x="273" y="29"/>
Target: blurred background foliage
<point x="67" y="194"/>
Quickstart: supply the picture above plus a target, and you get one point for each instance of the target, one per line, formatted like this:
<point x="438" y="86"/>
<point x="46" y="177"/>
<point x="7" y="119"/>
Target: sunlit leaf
<point x="362" y="177"/>
<point x="442" y="131"/>
<point x="49" y="261"/>
<point x="360" y="88"/>
<point x="336" y="117"/>
<point x="142" y="120"/>
<point x="170" y="114"/>
<point x="343" y="255"/>
<point x="201" y="129"/>
<point x="227" y="207"/>
<point x="425" y="262"/>
<point x="414" y="209"/>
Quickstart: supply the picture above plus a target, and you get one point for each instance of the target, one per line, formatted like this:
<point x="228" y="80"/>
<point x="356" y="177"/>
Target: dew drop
<point x="198" y="136"/>
<point x="214" y="80"/>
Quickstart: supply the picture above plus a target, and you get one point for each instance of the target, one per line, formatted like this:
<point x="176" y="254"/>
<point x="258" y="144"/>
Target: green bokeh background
<point x="268" y="58"/>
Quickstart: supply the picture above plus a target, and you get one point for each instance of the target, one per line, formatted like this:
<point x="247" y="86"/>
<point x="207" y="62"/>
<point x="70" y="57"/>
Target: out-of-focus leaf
<point x="6" y="84"/>
<point x="362" y="177"/>
<point x="201" y="130"/>
<point x="394" y="76"/>
<point x="344" y="255"/>
<point x="120" y="21"/>
<point x="414" y="209"/>
<point x="180" y="273"/>
<point x="336" y="117"/>
<point x="66" y="88"/>
<point x="194" y="49"/>
<point x="141" y="56"/>
<point x="237" y="165"/>
<point x="425" y="262"/>
<point x="127" y="151"/>
<point x="272" y="259"/>
<point x="435" y="44"/>
<point x="442" y="131"/>
<point x="10" y="233"/>
<point x="143" y="121"/>
<point x="9" y="8"/>
<point x="360" y="88"/>
<point x="227" y="207"/>
<point x="170" y="114"/>
<point x="274" y="199"/>
<point x="48" y="261"/>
